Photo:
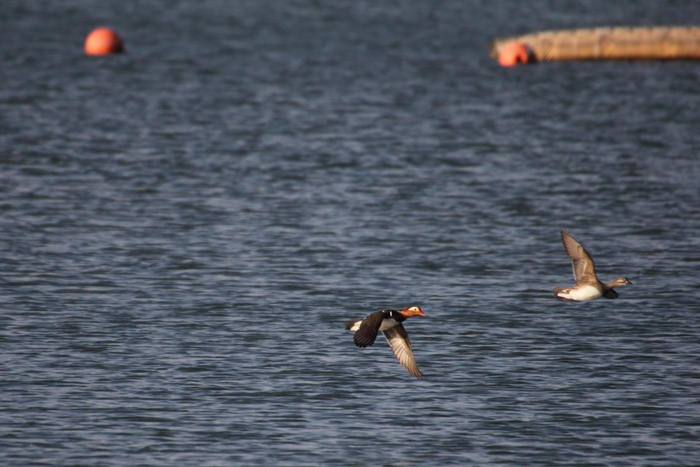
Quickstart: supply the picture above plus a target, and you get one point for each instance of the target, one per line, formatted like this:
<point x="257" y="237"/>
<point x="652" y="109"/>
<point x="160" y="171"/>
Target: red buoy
<point x="103" y="41"/>
<point x="514" y="53"/>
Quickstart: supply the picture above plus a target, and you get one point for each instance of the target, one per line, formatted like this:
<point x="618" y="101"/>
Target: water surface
<point x="185" y="227"/>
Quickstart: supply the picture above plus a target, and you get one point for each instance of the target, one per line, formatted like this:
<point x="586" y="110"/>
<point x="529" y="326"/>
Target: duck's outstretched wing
<point x="368" y="329"/>
<point x="581" y="261"/>
<point x="401" y="346"/>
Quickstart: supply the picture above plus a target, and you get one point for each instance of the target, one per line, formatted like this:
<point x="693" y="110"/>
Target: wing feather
<point x="369" y="328"/>
<point x="581" y="261"/>
<point x="401" y="346"/>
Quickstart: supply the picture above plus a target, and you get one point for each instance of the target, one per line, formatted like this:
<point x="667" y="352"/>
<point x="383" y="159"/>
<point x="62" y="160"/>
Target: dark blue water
<point x="185" y="227"/>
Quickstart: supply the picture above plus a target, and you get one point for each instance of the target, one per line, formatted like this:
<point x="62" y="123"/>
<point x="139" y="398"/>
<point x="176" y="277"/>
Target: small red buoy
<point x="514" y="53"/>
<point x="103" y="41"/>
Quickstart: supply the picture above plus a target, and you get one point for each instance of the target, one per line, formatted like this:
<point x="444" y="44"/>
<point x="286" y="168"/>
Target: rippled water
<point x="185" y="227"/>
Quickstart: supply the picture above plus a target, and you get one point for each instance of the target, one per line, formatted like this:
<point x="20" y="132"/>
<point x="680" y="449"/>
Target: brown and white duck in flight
<point x="388" y="321"/>
<point x="587" y="285"/>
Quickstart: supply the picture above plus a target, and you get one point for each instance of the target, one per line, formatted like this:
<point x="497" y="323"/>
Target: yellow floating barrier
<point x="612" y="43"/>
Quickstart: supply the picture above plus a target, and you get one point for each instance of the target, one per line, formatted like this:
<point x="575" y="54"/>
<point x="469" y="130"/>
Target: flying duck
<point x="388" y="321"/>
<point x="587" y="285"/>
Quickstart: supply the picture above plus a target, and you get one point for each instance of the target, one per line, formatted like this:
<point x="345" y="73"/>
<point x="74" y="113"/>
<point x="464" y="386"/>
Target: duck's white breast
<point x="586" y="292"/>
<point x="387" y="323"/>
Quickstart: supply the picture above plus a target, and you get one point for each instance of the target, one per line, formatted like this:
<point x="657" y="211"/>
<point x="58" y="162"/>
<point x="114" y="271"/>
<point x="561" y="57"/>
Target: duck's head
<point x="621" y="281"/>
<point x="412" y="311"/>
